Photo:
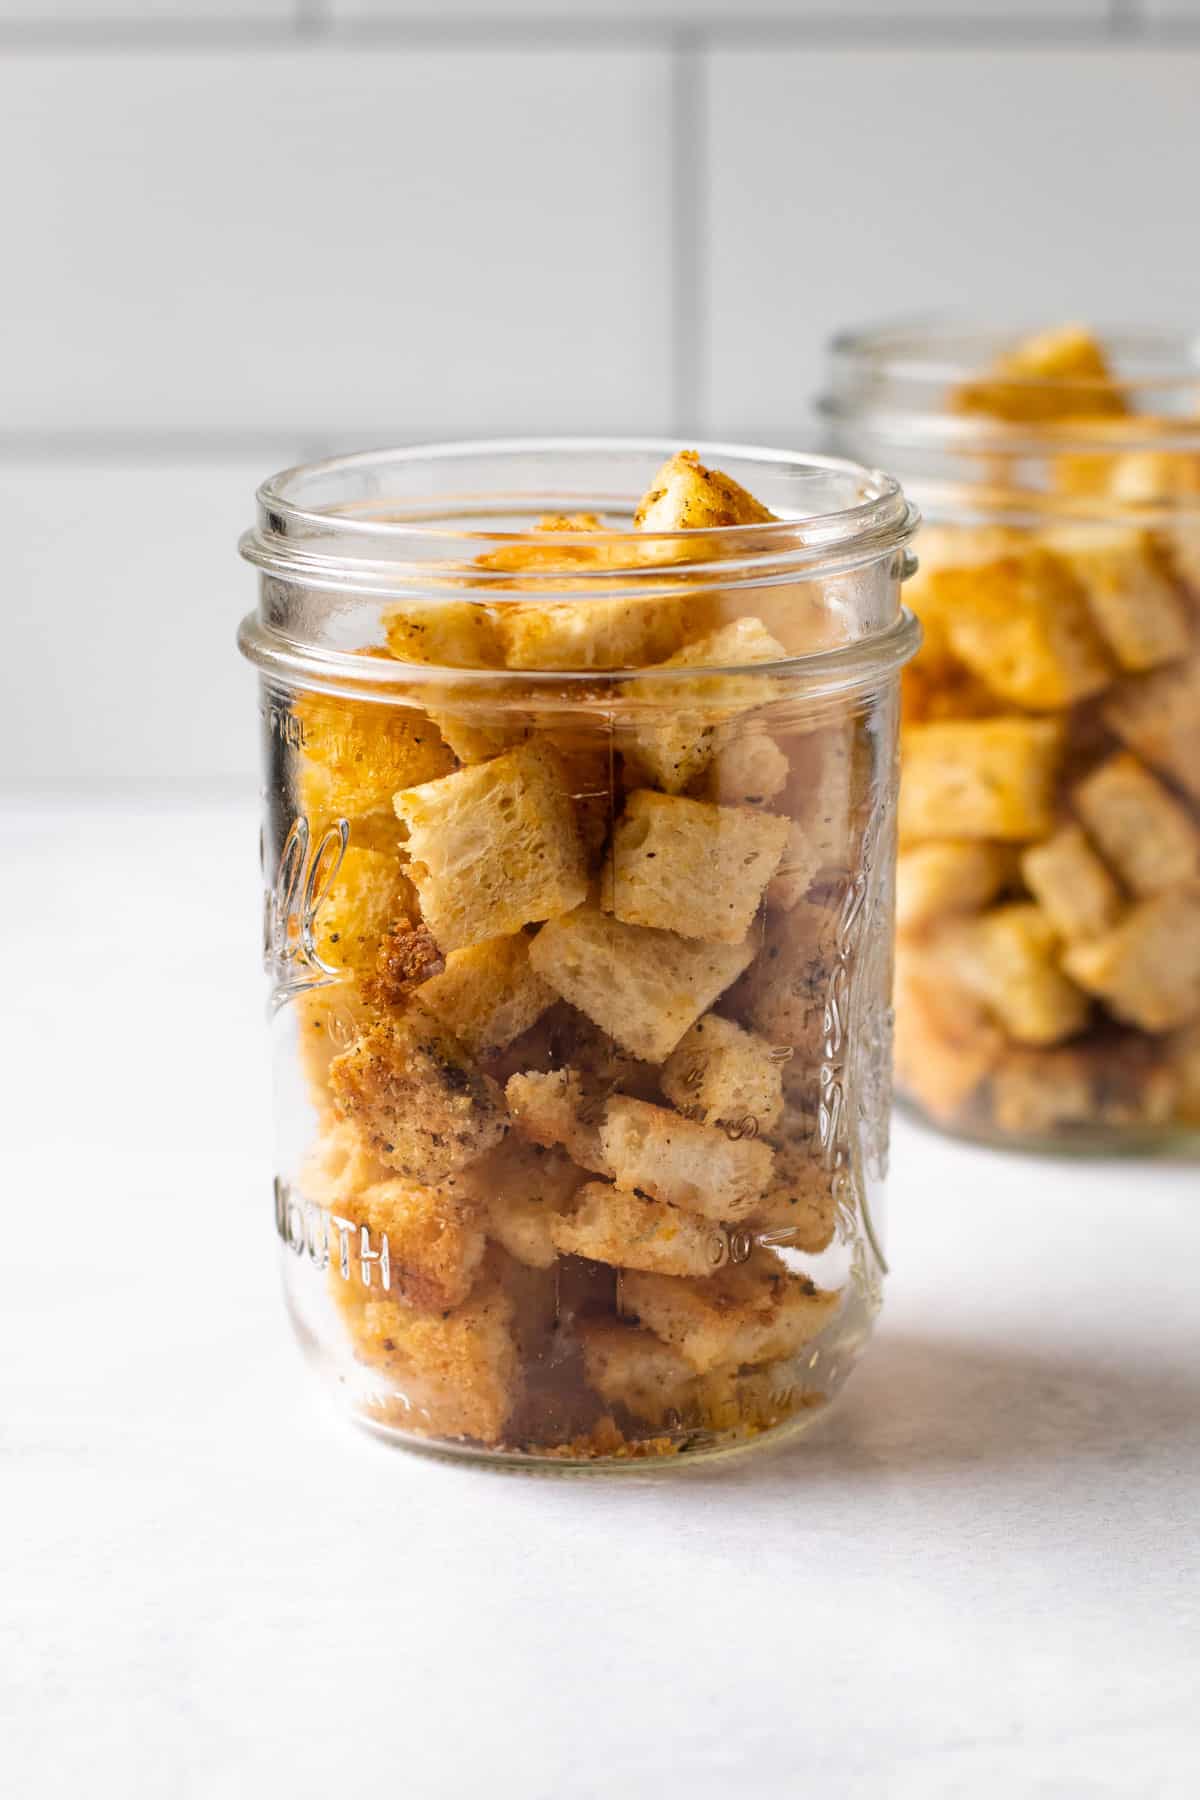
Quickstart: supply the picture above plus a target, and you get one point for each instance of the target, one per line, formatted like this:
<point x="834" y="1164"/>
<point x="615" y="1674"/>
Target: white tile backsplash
<point x="844" y="187"/>
<point x="60" y="14"/>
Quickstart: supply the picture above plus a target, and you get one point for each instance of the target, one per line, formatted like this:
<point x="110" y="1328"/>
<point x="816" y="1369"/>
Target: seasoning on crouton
<point x="685" y="496"/>
<point x="453" y="634"/>
<point x="700" y="1168"/>
<point x="1007" y="958"/>
<point x="1158" y="716"/>
<point x="368" y="897"/>
<point x="1146" y="834"/>
<point x="354" y="754"/>
<point x="1072" y="885"/>
<point x="1056" y="374"/>
<point x="720" y="1074"/>
<point x="417" y="1098"/>
<point x="521" y="1189"/>
<point x="747" y="1312"/>
<point x="643" y="987"/>
<point x="934" y="880"/>
<point x="550" y="1107"/>
<point x="797" y="1209"/>
<point x="487" y="995"/>
<point x="1136" y="605"/>
<point x="686" y="721"/>
<point x="1147" y="970"/>
<point x="406" y="957"/>
<point x="783" y="994"/>
<point x="747" y="768"/>
<point x="980" y="778"/>
<point x="632" y="1231"/>
<point x="631" y="1368"/>
<point x="423" y="1244"/>
<point x="494" y="846"/>
<point x="689" y="867"/>
<point x="945" y="1044"/>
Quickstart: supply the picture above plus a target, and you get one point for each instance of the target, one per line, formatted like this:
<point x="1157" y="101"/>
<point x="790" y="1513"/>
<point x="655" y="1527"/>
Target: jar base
<point x="1178" y="1143"/>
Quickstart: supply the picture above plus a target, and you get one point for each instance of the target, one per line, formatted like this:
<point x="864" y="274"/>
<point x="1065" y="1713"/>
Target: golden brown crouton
<point x="1006" y="958"/>
<point x="1147" y="835"/>
<point x="689" y="867"/>
<point x="633" y="1231"/>
<point x="1071" y="884"/>
<point x="720" y="1074"/>
<point x="354" y="754"/>
<point x="980" y="778"/>
<point x="424" y="1246"/>
<point x="934" y="880"/>
<point x="551" y="1107"/>
<point x="643" y="987"/>
<point x="1056" y="374"/>
<point x="407" y="956"/>
<point x="488" y="995"/>
<point x="701" y="1168"/>
<point x="1147" y="970"/>
<point x="340" y="1166"/>
<point x="685" y="496"/>
<point x="417" y="1098"/>
<point x="494" y="846"/>
<point x="945" y="1042"/>
<point x="798" y="1207"/>
<point x="1158" y="716"/>
<point x="1137" y="606"/>
<point x="673" y="747"/>
<point x="368" y="895"/>
<point x="746" y="1313"/>
<point x="453" y="634"/>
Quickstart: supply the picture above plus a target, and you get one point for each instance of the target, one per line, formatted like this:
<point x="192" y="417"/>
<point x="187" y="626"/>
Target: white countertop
<point x="979" y="1574"/>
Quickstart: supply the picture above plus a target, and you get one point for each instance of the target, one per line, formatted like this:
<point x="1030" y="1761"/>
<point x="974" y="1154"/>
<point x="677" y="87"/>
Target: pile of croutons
<point x="1048" y="980"/>
<point x="568" y="1077"/>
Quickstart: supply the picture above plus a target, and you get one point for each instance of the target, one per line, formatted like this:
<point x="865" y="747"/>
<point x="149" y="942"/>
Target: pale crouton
<point x="747" y="1312"/>
<point x="1147" y="970"/>
<point x="521" y="1188"/>
<point x="719" y="1074"/>
<point x="1056" y="374"/>
<point x="673" y="747"/>
<point x="783" y="994"/>
<point x="690" y="867"/>
<point x="1023" y="627"/>
<point x="747" y="769"/>
<point x="632" y="1231"/>
<point x="1007" y="959"/>
<point x="631" y="1368"/>
<point x="1158" y="716"/>
<point x="797" y="1209"/>
<point x="934" y="880"/>
<point x="701" y="1168"/>
<point x="979" y="778"/>
<point x="494" y="846"/>
<point x="487" y="995"/>
<point x="417" y="1098"/>
<point x="552" y="1107"/>
<point x="423" y="1245"/>
<point x="474" y="728"/>
<point x="945" y="1042"/>
<point x="1137" y="606"/>
<point x="643" y="987"/>
<point x="339" y="1167"/>
<point x="453" y="634"/>
<point x="1111" y="1082"/>
<point x="685" y="496"/>
<point x="354" y="754"/>
<point x="1072" y="885"/>
<point x="1146" y="834"/>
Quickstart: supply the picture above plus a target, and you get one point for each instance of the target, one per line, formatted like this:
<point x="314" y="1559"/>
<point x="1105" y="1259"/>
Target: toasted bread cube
<point x="747" y="769"/>
<point x="1149" y="837"/>
<point x="1072" y="885"/>
<point x="453" y="634"/>
<point x="672" y="752"/>
<point x="407" y="957"/>
<point x="1147" y="971"/>
<point x="1056" y="374"/>
<point x="827" y="796"/>
<point x="631" y="1368"/>
<point x="368" y="895"/>
<point x="747" y="1312"/>
<point x="487" y="995"/>
<point x="783" y="995"/>
<point x="631" y="1231"/>
<point x="1171" y="478"/>
<point x="494" y="847"/>
<point x="979" y="778"/>
<point x="328" y="1020"/>
<point x="1183" y="1061"/>
<point x="1024" y="628"/>
<point x="643" y="987"/>
<point x="551" y="1108"/>
<point x="934" y="880"/>
<point x="418" y="1100"/>
<point x="689" y="867"/>
<point x="685" y="496"/>
<point x="354" y="754"/>
<point x="798" y="1207"/>
<point x="423" y="1245"/>
<point x="456" y="1375"/>
<point x="522" y="1188"/>
<point x="719" y="1074"/>
<point x="593" y="632"/>
<point x="700" y="1168"/>
<point x="340" y="1167"/>
<point x="1007" y="958"/>
<point x="1137" y="607"/>
<point x="946" y="1044"/>
<point x="1043" y="1092"/>
<point x="1158" y="716"/>
<point x="474" y="730"/>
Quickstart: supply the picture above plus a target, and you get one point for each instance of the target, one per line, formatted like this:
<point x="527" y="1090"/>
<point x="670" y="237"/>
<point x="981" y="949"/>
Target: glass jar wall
<point x="1048" y="976"/>
<point x="578" y="859"/>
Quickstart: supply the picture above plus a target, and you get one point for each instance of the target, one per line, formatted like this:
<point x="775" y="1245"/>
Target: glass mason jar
<point x="1048" y="971"/>
<point x="578" y="859"/>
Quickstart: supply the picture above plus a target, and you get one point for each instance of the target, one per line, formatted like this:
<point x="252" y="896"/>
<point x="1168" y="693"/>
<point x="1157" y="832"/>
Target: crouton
<point x="1158" y="716"/>
<point x="521" y="1189"/>
<point x="1169" y="481"/>
<point x="1148" y="836"/>
<point x="339" y="1167"/>
<point x="494" y="846"/>
<point x="783" y="995"/>
<point x="1023" y="627"/>
<point x="1147" y="970"/>
<point x="328" y="1020"/>
<point x="1006" y="959"/>
<point x="945" y="1043"/>
<point x="453" y="634"/>
<point x="689" y="867"/>
<point x="475" y="728"/>
<point x="418" y="1100"/>
<point x="747" y="1312"/>
<point x="700" y="1168"/>
<point x="632" y="1231"/>
<point x="719" y="1074"/>
<point x="1109" y="1082"/>
<point x="980" y="778"/>
<point x="798" y="1208"/>
<point x="934" y="880"/>
<point x="747" y="769"/>
<point x="633" y="1369"/>
<point x="1183" y="1061"/>
<point x="423" y="1245"/>
<point x="455" y="1375"/>
<point x="407" y="957"/>
<point x="368" y="895"/>
<point x="488" y="995"/>
<point x="551" y="1108"/>
<point x="673" y="750"/>
<point x="1056" y="374"/>
<point x="1072" y="885"/>
<point x="827" y="795"/>
<point x="1136" y="605"/>
<point x="354" y="754"/>
<point x="643" y="987"/>
<point x="685" y="496"/>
